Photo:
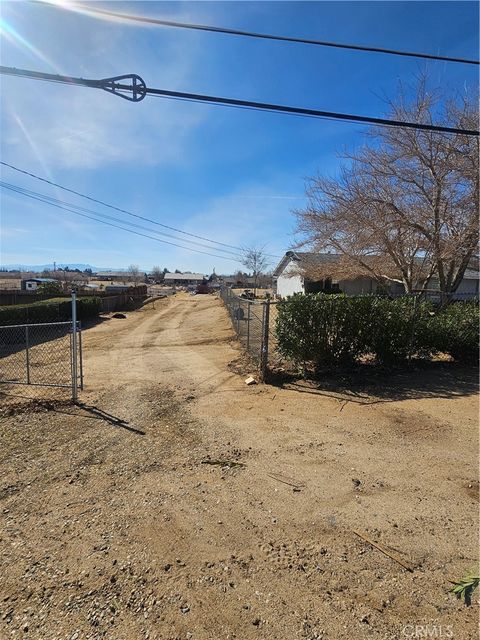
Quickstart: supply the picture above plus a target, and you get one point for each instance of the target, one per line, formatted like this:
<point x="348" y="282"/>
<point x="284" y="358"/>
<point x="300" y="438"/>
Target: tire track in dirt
<point x="184" y="343"/>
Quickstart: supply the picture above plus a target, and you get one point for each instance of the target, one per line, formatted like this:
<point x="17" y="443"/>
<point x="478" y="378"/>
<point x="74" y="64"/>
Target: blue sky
<point x="228" y="174"/>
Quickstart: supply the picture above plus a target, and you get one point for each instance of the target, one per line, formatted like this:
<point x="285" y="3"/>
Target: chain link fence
<point x="41" y="354"/>
<point x="253" y="321"/>
<point x="412" y="328"/>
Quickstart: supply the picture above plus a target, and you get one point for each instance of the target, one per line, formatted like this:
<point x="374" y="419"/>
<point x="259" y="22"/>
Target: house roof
<point x="115" y="274"/>
<point x="39" y="280"/>
<point x="302" y="258"/>
<point x="239" y="279"/>
<point x="184" y="276"/>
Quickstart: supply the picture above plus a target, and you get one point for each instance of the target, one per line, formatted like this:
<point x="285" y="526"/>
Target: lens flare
<point x="9" y="32"/>
<point x="36" y="152"/>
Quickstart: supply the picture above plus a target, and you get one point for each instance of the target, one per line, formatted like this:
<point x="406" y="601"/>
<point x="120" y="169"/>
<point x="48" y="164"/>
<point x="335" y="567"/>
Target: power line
<point x="267" y="36"/>
<point x="50" y="200"/>
<point x="114" y="87"/>
<point x="110" y="206"/>
<point x="18" y="190"/>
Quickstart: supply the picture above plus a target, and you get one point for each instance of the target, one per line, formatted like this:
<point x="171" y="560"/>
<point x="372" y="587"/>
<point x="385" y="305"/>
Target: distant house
<point x="32" y="284"/>
<point x="238" y="281"/>
<point x="288" y="279"/>
<point x="113" y="276"/>
<point x="184" y="279"/>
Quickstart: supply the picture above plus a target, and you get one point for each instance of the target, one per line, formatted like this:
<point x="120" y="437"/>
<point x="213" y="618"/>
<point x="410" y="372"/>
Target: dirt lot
<point x="179" y="503"/>
<point x="10" y="283"/>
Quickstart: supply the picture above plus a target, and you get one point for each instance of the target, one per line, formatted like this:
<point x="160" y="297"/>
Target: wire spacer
<point x="136" y="87"/>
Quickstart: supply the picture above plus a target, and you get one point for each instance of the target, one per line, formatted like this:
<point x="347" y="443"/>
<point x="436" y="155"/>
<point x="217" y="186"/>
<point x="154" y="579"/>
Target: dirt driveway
<point x="179" y="503"/>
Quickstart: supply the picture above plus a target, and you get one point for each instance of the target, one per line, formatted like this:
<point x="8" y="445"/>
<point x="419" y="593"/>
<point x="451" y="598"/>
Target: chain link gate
<point x="43" y="354"/>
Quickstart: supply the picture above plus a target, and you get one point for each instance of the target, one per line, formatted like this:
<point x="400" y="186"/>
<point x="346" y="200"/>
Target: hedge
<point x="52" y="310"/>
<point x="455" y="330"/>
<point x="318" y="330"/>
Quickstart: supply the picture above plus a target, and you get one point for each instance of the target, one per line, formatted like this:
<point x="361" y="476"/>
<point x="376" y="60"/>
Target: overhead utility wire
<point x="268" y="36"/>
<point x="140" y="91"/>
<point x="110" y="206"/>
<point x="83" y="215"/>
<point x="50" y="200"/>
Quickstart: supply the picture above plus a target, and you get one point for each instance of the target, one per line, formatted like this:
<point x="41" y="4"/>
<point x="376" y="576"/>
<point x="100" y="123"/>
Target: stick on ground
<point x="384" y="551"/>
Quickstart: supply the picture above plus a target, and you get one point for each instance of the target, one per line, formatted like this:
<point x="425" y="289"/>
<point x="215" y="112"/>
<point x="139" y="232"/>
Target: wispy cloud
<point x="242" y="218"/>
<point x="74" y="127"/>
<point x="12" y="232"/>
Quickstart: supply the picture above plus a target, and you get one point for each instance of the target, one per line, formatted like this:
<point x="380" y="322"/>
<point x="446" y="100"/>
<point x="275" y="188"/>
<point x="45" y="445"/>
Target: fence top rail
<point x="38" y="324"/>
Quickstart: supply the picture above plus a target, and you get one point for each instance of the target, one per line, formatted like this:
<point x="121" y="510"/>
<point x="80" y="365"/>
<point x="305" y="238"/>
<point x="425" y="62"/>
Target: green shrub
<point x="50" y="288"/>
<point x="455" y="330"/>
<point x="88" y="308"/>
<point x="399" y="329"/>
<point x="52" y="310"/>
<point x="323" y="330"/>
<point x="318" y="330"/>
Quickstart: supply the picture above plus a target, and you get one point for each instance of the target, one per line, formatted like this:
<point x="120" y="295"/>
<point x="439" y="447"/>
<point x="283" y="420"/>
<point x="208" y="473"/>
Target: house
<point x="184" y="279"/>
<point x="32" y="284"/>
<point x="289" y="279"/>
<point x="241" y="280"/>
<point x="113" y="276"/>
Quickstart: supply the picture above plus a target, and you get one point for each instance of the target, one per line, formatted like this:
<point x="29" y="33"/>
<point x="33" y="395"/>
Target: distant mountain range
<point x="60" y="265"/>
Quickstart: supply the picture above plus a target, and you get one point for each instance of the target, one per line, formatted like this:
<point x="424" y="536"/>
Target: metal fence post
<point x="249" y="305"/>
<point x="412" y="332"/>
<point x="81" y="355"/>
<point x="265" y="331"/>
<point x="74" y="346"/>
<point x="27" y="354"/>
<point x="238" y="317"/>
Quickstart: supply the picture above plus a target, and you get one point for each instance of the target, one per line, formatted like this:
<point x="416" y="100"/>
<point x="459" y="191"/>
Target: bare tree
<point x="255" y="260"/>
<point x="66" y="277"/>
<point x="157" y="274"/>
<point x="134" y="274"/>
<point x="405" y="206"/>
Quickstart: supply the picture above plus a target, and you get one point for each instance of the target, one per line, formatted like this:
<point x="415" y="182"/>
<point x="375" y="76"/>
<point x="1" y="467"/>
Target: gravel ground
<point x="175" y="502"/>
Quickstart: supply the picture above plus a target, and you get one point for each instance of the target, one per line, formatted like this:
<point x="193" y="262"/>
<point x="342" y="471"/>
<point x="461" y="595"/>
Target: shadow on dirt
<point x="367" y="384"/>
<point x="100" y="414"/>
<point x="66" y="407"/>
